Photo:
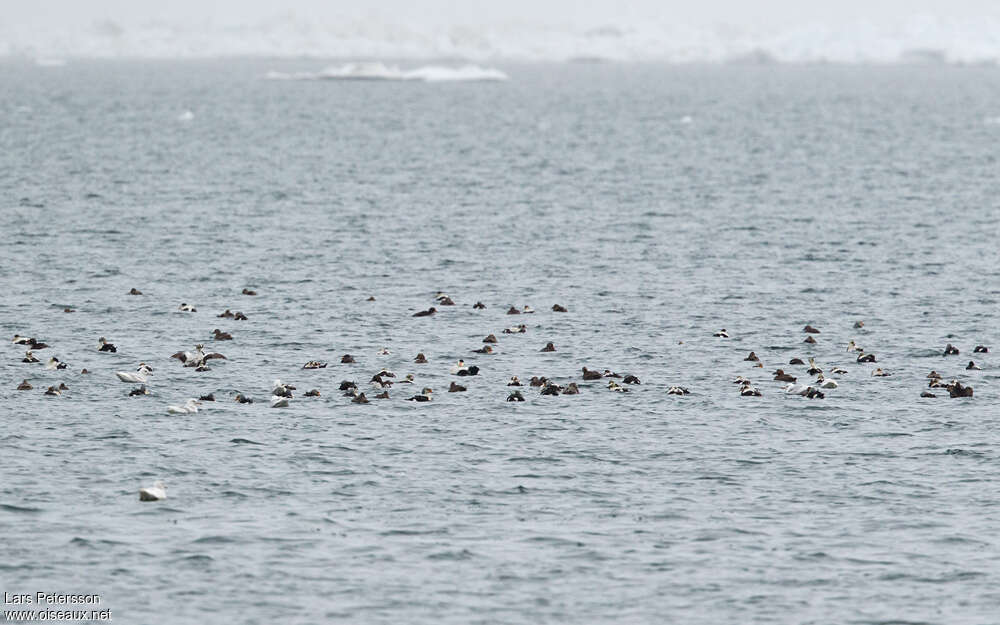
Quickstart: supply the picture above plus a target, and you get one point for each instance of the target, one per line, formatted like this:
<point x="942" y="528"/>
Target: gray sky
<point x="41" y="13"/>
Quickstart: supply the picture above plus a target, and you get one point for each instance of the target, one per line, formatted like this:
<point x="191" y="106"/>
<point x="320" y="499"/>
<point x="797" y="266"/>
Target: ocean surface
<point x="658" y="203"/>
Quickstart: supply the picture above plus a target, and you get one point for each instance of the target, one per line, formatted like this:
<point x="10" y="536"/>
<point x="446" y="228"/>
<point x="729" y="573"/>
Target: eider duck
<point x="54" y="364"/>
<point x="853" y="347"/>
<point x="551" y="389"/>
<point x="141" y="376"/>
<point x="631" y="379"/>
<point x="104" y="346"/>
<point x="950" y="350"/>
<point x="29" y="357"/>
<point x="839" y="371"/>
<point x="68" y="310"/>
<point x="824" y="383"/>
<point x="491" y="339"/>
<point x="371" y="298"/>
<point x="752" y="358"/>
<point x="189" y="407"/>
<point x="63" y="387"/>
<point x="515" y="396"/>
<point x="513" y="311"/>
<point x="185" y="307"/>
<point x="810" y="340"/>
<point x="243" y="399"/>
<point x="514" y="381"/>
<point x="473" y="370"/>
<point x="781" y="376"/>
<point x="614" y="386"/>
<point x="455" y="368"/>
<point x="36" y="345"/>
<point x="420" y="359"/>
<point x="346" y="384"/>
<point x="136" y="392"/>
<point x="228" y="314"/>
<point x="445" y="301"/>
<point x="521" y="329"/>
<point x="934" y="375"/>
<point x="456" y="388"/>
<point x="813" y="369"/>
<point x="559" y="308"/>
<point x="796" y="361"/>
<point x="859" y="324"/>
<point x="956" y="389"/>
<point x="980" y="349"/>
<point x="280" y="389"/>
<point x="156" y="492"/>
<point x="549" y="347"/>
<point x="589" y="374"/>
<point x="880" y="373"/>
<point x="479" y="306"/>
<point x="239" y="316"/>
<point x="249" y="292"/>
<point x="678" y="390"/>
<point x="135" y="291"/>
<point x="425" y="395"/>
<point x="971" y="366"/>
<point x="425" y="313"/>
<point x="383" y="352"/>
<point x="312" y="393"/>
<point x="810" y="330"/>
<point x="747" y="390"/>
<point x="863" y="357"/>
<point x="571" y="389"/>
<point x="209" y="397"/>
<point x="538" y="381"/>
<point x="815" y="393"/>
<point x="347" y="359"/>
<point x="222" y="336"/>
<point x="21" y="340"/>
<point x="927" y="394"/>
<point x="24" y="386"/>
<point x="314" y="364"/>
<point x="84" y="372"/>
<point x="53" y="391"/>
<point x="360" y="399"/>
<point x="383" y="395"/>
<point x="722" y="334"/>
<point x="407" y="380"/>
<point x="528" y="310"/>
<point x="608" y="373"/>
<point x="485" y="349"/>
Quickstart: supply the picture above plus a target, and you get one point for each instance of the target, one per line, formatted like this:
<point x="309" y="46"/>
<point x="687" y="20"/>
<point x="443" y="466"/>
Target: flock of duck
<point x="382" y="381"/>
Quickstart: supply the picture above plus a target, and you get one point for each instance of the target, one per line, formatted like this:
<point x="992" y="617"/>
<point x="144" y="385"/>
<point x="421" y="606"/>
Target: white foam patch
<point x="380" y="71"/>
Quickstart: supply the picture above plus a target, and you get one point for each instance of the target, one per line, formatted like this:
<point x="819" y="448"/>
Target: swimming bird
<point x="722" y="334"/>
<point x="189" y="407"/>
<point x="249" y="292"/>
<point x="312" y="393"/>
<point x="514" y="381"/>
<point x="456" y="388"/>
<point x="810" y="330"/>
<point x="934" y="375"/>
<point x="824" y="383"/>
<point x="853" y="347"/>
<point x="383" y="395"/>
<point x="527" y="310"/>
<point x="425" y="313"/>
<point x="29" y="357"/>
<point x="956" y="389"/>
<point x="222" y="336"/>
<point x="796" y="361"/>
<point x="752" y="358"/>
<point x="383" y="352"/>
<point x="479" y="306"/>
<point x="228" y="314"/>
<point x="360" y="399"/>
<point x="796" y="389"/>
<point x="444" y="300"/>
<point x="490" y="339"/>
<point x="209" y="397"/>
<point x="880" y="373"/>
<point x="243" y="399"/>
<point x="838" y="371"/>
<point x="809" y="340"/>
<point x="631" y="379"/>
<point x="21" y="340"/>
<point x="515" y="396"/>
<point x="608" y="373"/>
<point x="950" y="350"/>
<point x="558" y="308"/>
<point x="54" y="363"/>
<point x="156" y="492"/>
<point x="589" y="374"/>
<point x="142" y="390"/>
<point x="425" y="395"/>
<point x="863" y="357"/>
<point x="513" y="311"/>
<point x="198" y="357"/>
<point x="980" y="349"/>
<point x="538" y="381"/>
<point x="84" y="372"/>
<point x="347" y="359"/>
<point x="104" y="346"/>
<point x="521" y="329"/>
<point x="239" y="316"/>
<point x="551" y="389"/>
<point x="407" y="380"/>
<point x="485" y="349"/>
<point x="371" y="298"/>
<point x="420" y="359"/>
<point x="926" y="394"/>
<point x="614" y="386"/>
<point x="280" y="389"/>
<point x="54" y="391"/>
<point x="314" y="364"/>
<point x="135" y="291"/>
<point x="68" y="310"/>
<point x="185" y="307"/>
<point x="748" y="390"/>
<point x="678" y="390"/>
<point x="24" y="386"/>
<point x="549" y="347"/>
<point x="813" y="369"/>
<point x="781" y="376"/>
<point x="455" y="368"/>
<point x="972" y="366"/>
<point x="571" y="389"/>
<point x="473" y="370"/>
<point x="859" y="324"/>
<point x="347" y="384"/>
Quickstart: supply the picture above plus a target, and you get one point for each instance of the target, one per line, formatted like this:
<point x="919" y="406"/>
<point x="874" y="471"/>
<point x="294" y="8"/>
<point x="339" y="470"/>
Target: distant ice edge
<point x="375" y="70"/>
<point x="920" y="39"/>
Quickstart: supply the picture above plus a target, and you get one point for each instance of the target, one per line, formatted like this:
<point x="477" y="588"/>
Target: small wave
<point x="381" y="72"/>
<point x="9" y="508"/>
